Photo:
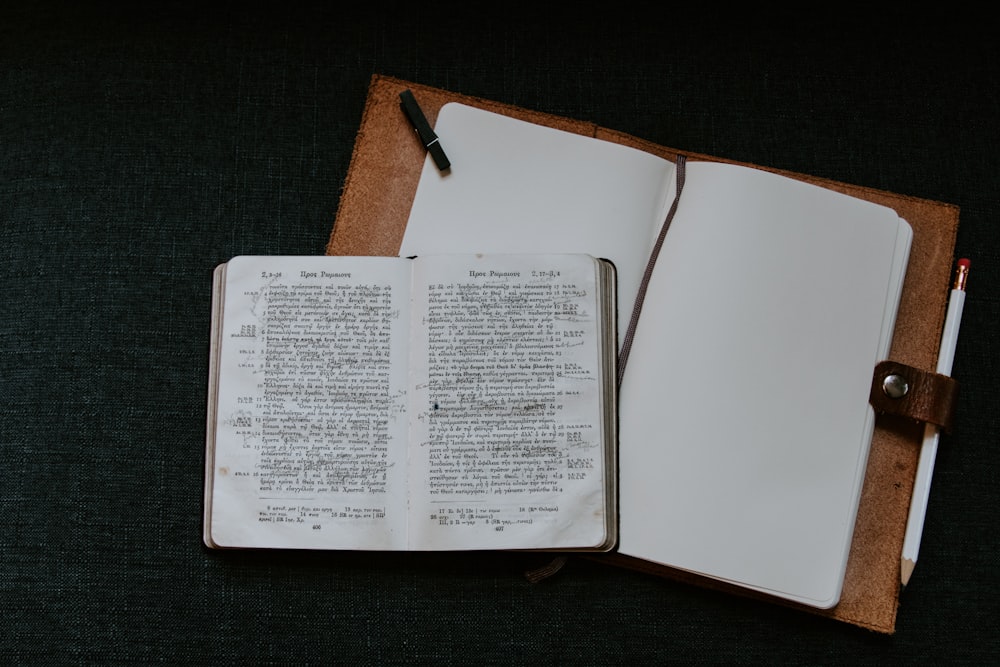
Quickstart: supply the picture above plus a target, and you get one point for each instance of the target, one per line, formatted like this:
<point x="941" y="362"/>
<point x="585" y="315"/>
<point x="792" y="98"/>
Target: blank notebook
<point x="744" y="416"/>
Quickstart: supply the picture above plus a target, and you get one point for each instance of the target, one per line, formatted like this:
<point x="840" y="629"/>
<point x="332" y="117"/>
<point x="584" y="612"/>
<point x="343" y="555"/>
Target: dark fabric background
<point x="141" y="146"/>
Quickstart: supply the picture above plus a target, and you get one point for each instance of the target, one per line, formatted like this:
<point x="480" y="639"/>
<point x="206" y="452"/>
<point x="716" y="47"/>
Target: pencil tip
<point x="906" y="570"/>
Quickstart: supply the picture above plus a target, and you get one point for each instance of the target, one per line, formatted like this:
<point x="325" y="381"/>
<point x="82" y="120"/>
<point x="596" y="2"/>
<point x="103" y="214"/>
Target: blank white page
<point x="745" y="423"/>
<point x="517" y="187"/>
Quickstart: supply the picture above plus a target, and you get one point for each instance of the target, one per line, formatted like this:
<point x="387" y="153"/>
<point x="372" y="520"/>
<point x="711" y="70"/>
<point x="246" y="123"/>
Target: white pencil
<point x="928" y="451"/>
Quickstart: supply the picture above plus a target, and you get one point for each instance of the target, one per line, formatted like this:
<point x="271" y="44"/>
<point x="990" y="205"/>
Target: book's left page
<point x="306" y="436"/>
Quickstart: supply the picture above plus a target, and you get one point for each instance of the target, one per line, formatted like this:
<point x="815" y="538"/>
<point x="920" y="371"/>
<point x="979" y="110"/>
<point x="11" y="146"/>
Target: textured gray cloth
<point x="140" y="147"/>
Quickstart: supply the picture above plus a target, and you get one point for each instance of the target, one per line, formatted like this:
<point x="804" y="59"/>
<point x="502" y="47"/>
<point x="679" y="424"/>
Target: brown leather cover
<point x="374" y="206"/>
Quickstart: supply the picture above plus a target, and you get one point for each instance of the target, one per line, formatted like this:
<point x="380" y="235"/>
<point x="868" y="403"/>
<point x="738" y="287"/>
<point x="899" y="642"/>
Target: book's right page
<point x="512" y="398"/>
<point x="745" y="425"/>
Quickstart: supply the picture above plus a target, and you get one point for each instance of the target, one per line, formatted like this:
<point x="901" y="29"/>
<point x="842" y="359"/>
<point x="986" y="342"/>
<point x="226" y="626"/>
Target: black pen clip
<point x="423" y="128"/>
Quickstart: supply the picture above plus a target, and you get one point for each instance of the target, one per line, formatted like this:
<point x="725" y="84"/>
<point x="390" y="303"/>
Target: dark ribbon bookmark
<point x="644" y="284"/>
<point x="544" y="572"/>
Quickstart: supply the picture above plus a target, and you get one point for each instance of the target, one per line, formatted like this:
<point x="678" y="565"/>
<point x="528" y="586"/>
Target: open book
<point x="443" y="402"/>
<point x="744" y="416"/>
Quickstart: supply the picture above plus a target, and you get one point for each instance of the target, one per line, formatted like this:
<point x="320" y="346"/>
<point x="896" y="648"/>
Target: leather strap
<point x="898" y="389"/>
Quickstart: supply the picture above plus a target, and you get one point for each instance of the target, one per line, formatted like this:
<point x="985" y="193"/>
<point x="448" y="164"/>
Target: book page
<point x="507" y="425"/>
<point x="516" y="187"/>
<point x="745" y="423"/>
<point x="310" y="432"/>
